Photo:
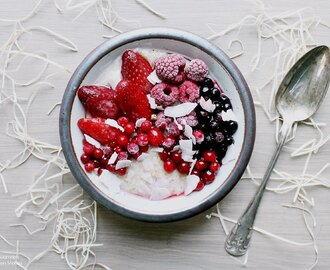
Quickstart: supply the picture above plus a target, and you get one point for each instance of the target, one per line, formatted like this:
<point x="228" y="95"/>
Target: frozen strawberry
<point x="99" y="101"/>
<point x="97" y="129"/>
<point x="136" y="68"/>
<point x="133" y="101"/>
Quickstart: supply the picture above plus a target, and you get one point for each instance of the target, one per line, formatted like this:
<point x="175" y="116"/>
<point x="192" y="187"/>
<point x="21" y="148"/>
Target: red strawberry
<point x="132" y="100"/>
<point x="97" y="129"/>
<point x="136" y="68"/>
<point x="100" y="101"/>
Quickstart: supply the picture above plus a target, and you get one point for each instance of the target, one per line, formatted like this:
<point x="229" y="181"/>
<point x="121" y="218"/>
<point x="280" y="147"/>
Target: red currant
<point x="111" y="167"/>
<point x="84" y="158"/>
<point x="208" y="177"/>
<point x="176" y="157"/>
<point x="107" y="150"/>
<point x="168" y="142"/>
<point x="97" y="153"/>
<point x="144" y="148"/>
<point x="104" y="160"/>
<point x="118" y="149"/>
<point x="121" y="171"/>
<point x="89" y="167"/>
<point x="169" y="165"/>
<point x="142" y="139"/>
<point x="132" y="148"/>
<point x="99" y="171"/>
<point x="209" y="156"/>
<point x="146" y="125"/>
<point x="122" y="140"/>
<point x="214" y="166"/>
<point x="88" y="149"/>
<point x="96" y="163"/>
<point x="201" y="165"/>
<point x="129" y="128"/>
<point x="155" y="137"/>
<point x="163" y="155"/>
<point x="113" y="144"/>
<point x="200" y="186"/>
<point x="196" y="172"/>
<point x="122" y="121"/>
<point x="122" y="155"/>
<point x="184" y="167"/>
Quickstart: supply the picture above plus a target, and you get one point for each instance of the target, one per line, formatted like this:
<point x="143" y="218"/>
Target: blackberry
<point x="218" y="106"/>
<point x="229" y="141"/>
<point x="214" y="125"/>
<point x="208" y="83"/>
<point x="204" y="91"/>
<point x="231" y="127"/>
<point x="226" y="105"/>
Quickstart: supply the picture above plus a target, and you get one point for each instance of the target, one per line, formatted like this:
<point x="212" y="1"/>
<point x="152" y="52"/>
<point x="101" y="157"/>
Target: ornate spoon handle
<point x="238" y="240"/>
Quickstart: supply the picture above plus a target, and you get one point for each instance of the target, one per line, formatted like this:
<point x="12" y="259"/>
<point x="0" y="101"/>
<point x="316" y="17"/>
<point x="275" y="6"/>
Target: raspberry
<point x="162" y="121"/>
<point x="173" y="129"/>
<point x="165" y="94"/>
<point x="188" y="92"/>
<point x="196" y="70"/>
<point x="170" y="68"/>
<point x="190" y="119"/>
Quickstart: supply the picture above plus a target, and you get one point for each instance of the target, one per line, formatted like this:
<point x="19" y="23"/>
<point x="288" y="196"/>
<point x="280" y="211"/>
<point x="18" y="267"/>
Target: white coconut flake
<point x="142" y="157"/>
<point x="123" y="164"/>
<point x="139" y="122"/>
<point x="179" y="125"/>
<point x="187" y="152"/>
<point x="228" y="115"/>
<point x="176" y="148"/>
<point x="188" y="132"/>
<point x="114" y="123"/>
<point x="207" y="105"/>
<point x="191" y="184"/>
<point x="153" y="78"/>
<point x="156" y="149"/>
<point x="152" y="102"/>
<point x="192" y="165"/>
<point x="180" y="110"/>
<point x="92" y="141"/>
<point x="113" y="158"/>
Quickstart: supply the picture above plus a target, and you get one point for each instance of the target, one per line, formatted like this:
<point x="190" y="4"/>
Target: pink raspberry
<point x="196" y="70"/>
<point x="165" y="94"/>
<point x="189" y="92"/>
<point x="170" y="68"/>
<point x="173" y="129"/>
<point x="162" y="121"/>
<point x="190" y="119"/>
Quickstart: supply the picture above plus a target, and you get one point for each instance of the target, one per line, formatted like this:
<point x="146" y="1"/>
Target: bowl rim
<point x="158" y="33"/>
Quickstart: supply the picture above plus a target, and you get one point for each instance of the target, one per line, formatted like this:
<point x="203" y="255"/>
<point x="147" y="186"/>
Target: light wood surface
<point x="192" y="244"/>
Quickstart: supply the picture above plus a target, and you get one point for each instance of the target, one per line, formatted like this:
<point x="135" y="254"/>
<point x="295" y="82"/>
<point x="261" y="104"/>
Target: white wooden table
<point x="196" y="243"/>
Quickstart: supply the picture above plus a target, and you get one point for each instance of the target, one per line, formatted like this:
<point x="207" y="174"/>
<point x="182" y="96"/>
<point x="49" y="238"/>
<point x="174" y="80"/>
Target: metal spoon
<point x="298" y="98"/>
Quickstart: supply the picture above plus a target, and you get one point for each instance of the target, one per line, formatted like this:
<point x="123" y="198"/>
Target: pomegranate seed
<point x="201" y="165"/>
<point x="118" y="149"/>
<point x="122" y="140"/>
<point x="169" y="165"/>
<point x="142" y="139"/>
<point x="121" y="171"/>
<point x="99" y="171"/>
<point x="113" y="144"/>
<point x="122" y="155"/>
<point x="146" y="125"/>
<point x="199" y="136"/>
<point x="209" y="156"/>
<point x="173" y="129"/>
<point x="84" y="158"/>
<point x="163" y="155"/>
<point x="214" y="166"/>
<point x="122" y="121"/>
<point x="104" y="160"/>
<point x="184" y="167"/>
<point x="135" y="156"/>
<point x="88" y="149"/>
<point x="200" y="186"/>
<point x="111" y="167"/>
<point x="97" y="153"/>
<point x="176" y="157"/>
<point x="96" y="163"/>
<point x="168" y="142"/>
<point x="144" y="148"/>
<point x="155" y="137"/>
<point x="129" y="128"/>
<point x="89" y="167"/>
<point x="208" y="177"/>
<point x="196" y="172"/>
<point x="132" y="148"/>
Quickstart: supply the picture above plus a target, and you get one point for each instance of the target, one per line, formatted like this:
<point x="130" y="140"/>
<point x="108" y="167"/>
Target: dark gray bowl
<point x="222" y="69"/>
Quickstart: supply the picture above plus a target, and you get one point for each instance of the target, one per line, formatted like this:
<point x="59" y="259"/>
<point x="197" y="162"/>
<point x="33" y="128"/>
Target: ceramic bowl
<point x="221" y="68"/>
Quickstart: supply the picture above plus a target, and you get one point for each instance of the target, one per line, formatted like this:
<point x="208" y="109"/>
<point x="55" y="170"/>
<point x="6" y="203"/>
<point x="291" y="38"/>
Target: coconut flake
<point x="152" y="102"/>
<point x="110" y="181"/>
<point x="92" y="141"/>
<point x="228" y="115"/>
<point x="114" y="123"/>
<point x="157" y="149"/>
<point x="142" y="157"/>
<point x="177" y="123"/>
<point x="139" y="122"/>
<point x="187" y="150"/>
<point x="191" y="184"/>
<point x="124" y="163"/>
<point x="207" y="105"/>
<point x="113" y="158"/>
<point x="188" y="132"/>
<point x="192" y="165"/>
<point x="180" y="110"/>
<point x="153" y="78"/>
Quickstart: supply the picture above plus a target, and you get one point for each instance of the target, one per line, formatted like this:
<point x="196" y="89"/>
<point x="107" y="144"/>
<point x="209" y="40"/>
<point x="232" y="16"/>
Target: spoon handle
<point x="238" y="240"/>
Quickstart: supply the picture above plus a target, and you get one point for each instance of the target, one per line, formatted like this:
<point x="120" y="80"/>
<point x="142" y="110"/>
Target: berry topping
<point x="84" y="158"/>
<point x="129" y="128"/>
<point x="163" y="155"/>
<point x="136" y="68"/>
<point x="201" y="165"/>
<point x="183" y="167"/>
<point x="210" y="156"/>
<point x="98" y="130"/>
<point x="190" y="119"/>
<point x="122" y="140"/>
<point x="173" y="129"/>
<point x="104" y="160"/>
<point x="169" y="166"/>
<point x="146" y="126"/>
<point x="121" y="171"/>
<point x="189" y="92"/>
<point x="88" y="149"/>
<point x="176" y="157"/>
<point x="196" y="70"/>
<point x="132" y="148"/>
<point x="214" y="166"/>
<point x="168" y="142"/>
<point x="89" y="167"/>
<point x="97" y="153"/>
<point x="207" y="82"/>
<point x="155" y="137"/>
<point x="132" y="100"/>
<point x="200" y="186"/>
<point x="122" y="155"/>
<point x="208" y="177"/>
<point x="162" y="121"/>
<point x="199" y="136"/>
<point x="165" y="94"/>
<point x="170" y="68"/>
<point x="142" y="139"/>
<point x="122" y="121"/>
